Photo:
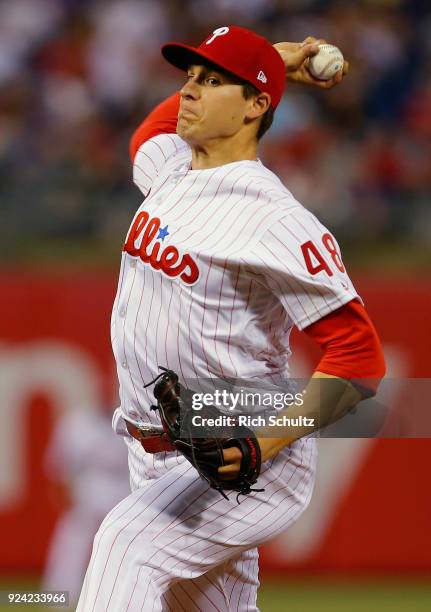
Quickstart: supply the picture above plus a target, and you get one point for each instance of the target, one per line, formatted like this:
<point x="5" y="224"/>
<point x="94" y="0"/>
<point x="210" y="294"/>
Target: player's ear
<point x="258" y="105"/>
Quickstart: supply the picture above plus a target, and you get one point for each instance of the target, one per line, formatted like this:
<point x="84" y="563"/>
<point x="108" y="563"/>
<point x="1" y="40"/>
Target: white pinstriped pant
<point x="175" y="544"/>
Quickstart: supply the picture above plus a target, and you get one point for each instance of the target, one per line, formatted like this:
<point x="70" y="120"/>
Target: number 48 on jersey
<point x="314" y="259"/>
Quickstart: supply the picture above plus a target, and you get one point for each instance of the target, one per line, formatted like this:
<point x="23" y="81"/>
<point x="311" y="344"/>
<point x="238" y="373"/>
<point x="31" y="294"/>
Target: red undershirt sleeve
<point x="162" y="120"/>
<point x="351" y="346"/>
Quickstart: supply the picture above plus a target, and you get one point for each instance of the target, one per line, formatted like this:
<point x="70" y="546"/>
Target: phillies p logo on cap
<point x="218" y="32"/>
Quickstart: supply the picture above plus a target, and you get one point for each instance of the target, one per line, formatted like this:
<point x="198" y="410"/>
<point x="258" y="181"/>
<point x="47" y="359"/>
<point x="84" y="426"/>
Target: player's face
<point x="212" y="106"/>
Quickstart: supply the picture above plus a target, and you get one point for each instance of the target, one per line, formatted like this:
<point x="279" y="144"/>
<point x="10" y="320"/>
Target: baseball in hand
<point x="326" y="63"/>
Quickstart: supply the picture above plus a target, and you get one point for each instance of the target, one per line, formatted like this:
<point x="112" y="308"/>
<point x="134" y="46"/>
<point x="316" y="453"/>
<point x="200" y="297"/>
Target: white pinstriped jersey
<point x="218" y="266"/>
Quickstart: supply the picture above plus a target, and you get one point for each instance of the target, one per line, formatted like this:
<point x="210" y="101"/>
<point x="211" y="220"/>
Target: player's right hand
<point x="295" y="57"/>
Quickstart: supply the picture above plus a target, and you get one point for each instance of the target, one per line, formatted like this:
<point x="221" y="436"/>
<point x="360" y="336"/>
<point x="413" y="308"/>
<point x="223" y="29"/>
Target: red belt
<point x="151" y="441"/>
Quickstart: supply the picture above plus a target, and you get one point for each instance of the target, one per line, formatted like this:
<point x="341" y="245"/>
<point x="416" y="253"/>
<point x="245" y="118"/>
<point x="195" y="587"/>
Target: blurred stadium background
<point x="76" y="78"/>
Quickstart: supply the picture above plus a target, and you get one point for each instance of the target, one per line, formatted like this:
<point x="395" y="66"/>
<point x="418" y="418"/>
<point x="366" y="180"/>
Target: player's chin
<point x="183" y="127"/>
<point x="188" y="131"/>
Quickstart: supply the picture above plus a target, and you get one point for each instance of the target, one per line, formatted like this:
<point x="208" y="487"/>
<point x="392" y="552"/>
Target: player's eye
<point x="213" y="81"/>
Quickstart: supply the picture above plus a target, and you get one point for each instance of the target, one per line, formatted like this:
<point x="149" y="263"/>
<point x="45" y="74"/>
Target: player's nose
<point x="190" y="89"/>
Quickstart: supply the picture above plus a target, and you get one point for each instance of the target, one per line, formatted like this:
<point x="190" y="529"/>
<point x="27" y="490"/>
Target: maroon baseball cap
<point x="239" y="51"/>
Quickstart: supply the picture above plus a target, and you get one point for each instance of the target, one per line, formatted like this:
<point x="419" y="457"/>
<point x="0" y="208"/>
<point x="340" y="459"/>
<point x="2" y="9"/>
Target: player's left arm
<point x="353" y="360"/>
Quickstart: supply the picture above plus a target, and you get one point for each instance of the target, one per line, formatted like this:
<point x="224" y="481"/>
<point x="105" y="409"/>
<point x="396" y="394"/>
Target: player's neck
<point x="221" y="152"/>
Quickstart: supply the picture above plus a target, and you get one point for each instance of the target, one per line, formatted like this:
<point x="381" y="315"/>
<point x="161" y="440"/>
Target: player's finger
<point x="309" y="79"/>
<point x="293" y="60"/>
<point x="232" y="455"/>
<point x="307" y="51"/>
<point x="232" y="458"/>
<point x="229" y="472"/>
<point x="313" y="39"/>
<point x="336" y="79"/>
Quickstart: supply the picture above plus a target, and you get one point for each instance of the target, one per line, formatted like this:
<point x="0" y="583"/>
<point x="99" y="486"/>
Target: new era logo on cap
<point x="262" y="77"/>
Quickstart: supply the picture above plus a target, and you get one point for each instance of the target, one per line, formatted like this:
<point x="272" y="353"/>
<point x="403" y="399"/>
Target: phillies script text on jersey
<point x="149" y="251"/>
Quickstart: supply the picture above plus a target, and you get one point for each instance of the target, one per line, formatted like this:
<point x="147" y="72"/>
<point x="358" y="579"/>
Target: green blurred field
<point x="345" y="597"/>
<point x="309" y="597"/>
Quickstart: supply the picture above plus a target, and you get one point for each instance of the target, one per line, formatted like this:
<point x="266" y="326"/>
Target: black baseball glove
<point x="205" y="452"/>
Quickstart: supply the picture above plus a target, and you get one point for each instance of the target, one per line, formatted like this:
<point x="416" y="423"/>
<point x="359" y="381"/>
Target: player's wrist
<point x="270" y="447"/>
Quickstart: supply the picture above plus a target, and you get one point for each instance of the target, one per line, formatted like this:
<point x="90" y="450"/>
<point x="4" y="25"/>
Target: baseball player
<point x="219" y="264"/>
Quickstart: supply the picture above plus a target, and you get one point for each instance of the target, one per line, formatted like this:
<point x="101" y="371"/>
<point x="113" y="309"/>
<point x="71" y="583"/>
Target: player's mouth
<point x="184" y="110"/>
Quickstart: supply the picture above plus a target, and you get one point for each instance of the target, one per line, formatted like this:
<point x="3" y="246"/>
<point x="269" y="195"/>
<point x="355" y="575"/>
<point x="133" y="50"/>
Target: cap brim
<point x="181" y="56"/>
